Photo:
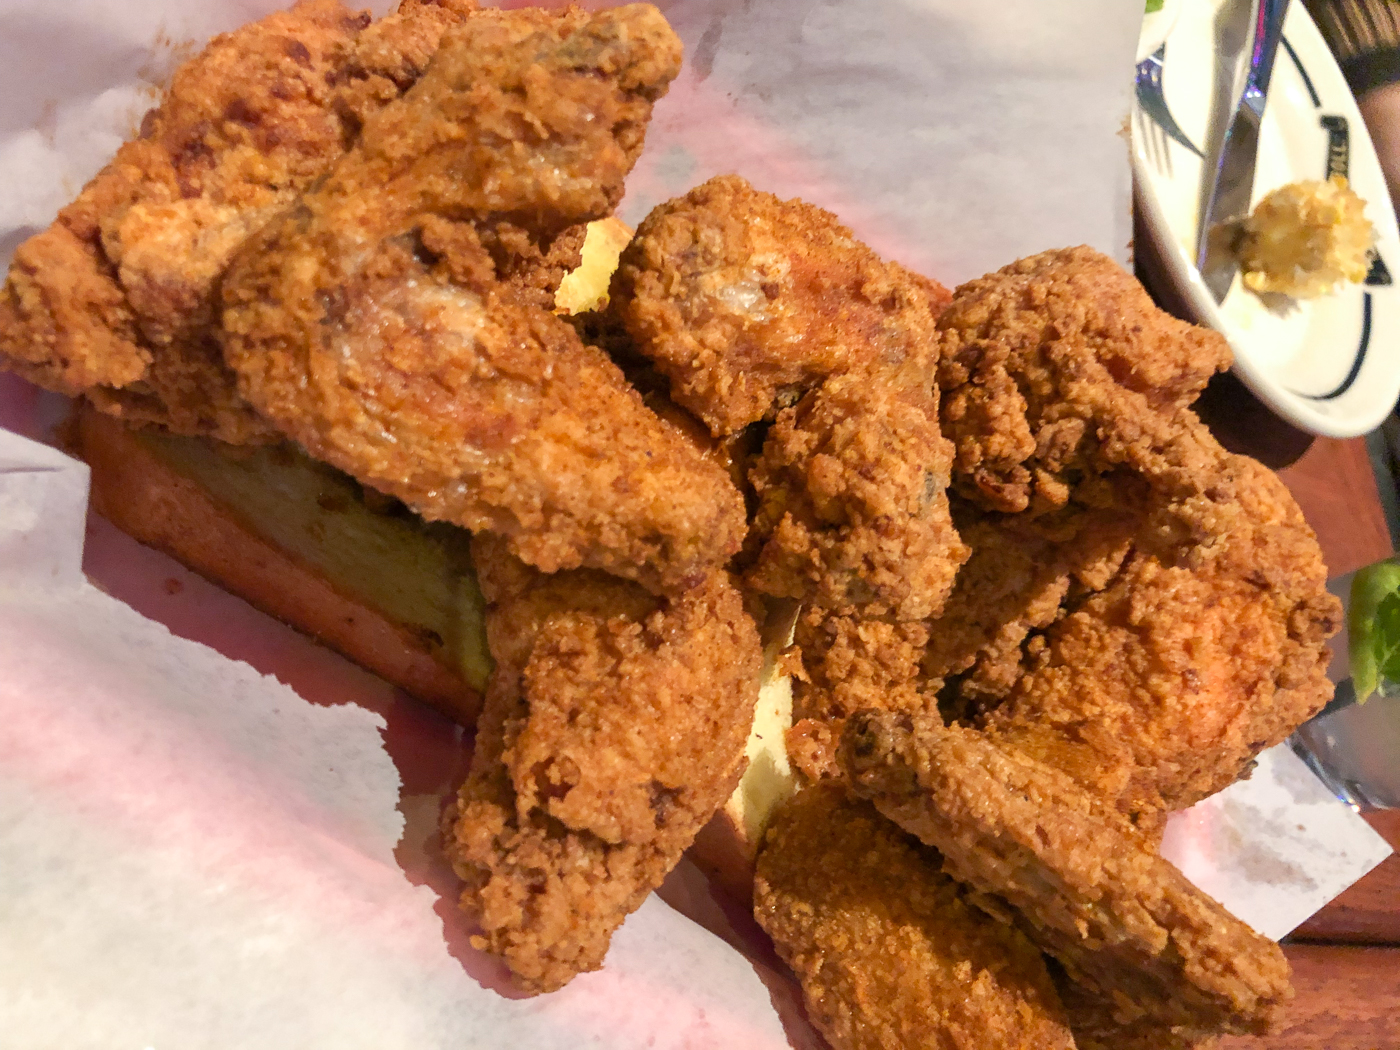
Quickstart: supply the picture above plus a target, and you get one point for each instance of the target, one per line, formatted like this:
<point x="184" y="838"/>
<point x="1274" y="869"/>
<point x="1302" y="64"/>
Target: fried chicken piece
<point x="1161" y="688"/>
<point x="754" y="307"/>
<point x="1059" y="367"/>
<point x="375" y="325"/>
<point x="116" y="300"/>
<point x="852" y="506"/>
<point x="613" y="728"/>
<point x="852" y="662"/>
<point x="888" y="951"/>
<point x="746" y="301"/>
<point x="1095" y="1028"/>
<point x="1120" y="919"/>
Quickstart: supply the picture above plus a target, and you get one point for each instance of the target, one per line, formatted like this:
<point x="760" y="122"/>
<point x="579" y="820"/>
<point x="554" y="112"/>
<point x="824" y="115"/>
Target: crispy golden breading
<point x="376" y="325"/>
<point x="1161" y="688"/>
<point x="745" y="301"/>
<point x="1095" y="1028"/>
<point x="889" y="953"/>
<point x="1120" y="919"/>
<point x="116" y="300"/>
<point x="613" y="728"/>
<point x="1059" y="367"/>
<point x="1017" y="582"/>
<point x="852" y="507"/>
<point x="754" y="307"/>
<point x="850" y="663"/>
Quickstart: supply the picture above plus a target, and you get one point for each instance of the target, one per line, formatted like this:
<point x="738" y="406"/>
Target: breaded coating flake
<point x="1121" y="920"/>
<point x="889" y="953"/>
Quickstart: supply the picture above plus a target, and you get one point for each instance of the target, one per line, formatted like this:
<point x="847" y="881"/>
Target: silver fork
<point x="1154" y="103"/>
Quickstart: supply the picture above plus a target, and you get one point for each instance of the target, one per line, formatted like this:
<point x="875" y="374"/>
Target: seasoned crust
<point x="374" y="324"/>
<point x="889" y="952"/>
<point x="613" y="729"/>
<point x="1058" y="367"/>
<point x="744" y="301"/>
<point x="117" y="299"/>
<point x="1084" y="884"/>
<point x="852" y="508"/>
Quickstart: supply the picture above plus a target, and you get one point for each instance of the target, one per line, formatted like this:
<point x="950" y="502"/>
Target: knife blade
<point x="1233" y="183"/>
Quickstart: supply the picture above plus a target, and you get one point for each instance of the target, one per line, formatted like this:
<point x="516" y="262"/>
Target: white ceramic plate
<point x="1331" y="365"/>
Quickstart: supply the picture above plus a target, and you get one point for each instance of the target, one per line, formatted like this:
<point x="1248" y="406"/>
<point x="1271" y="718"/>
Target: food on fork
<point x="613" y="729"/>
<point x="1078" y="878"/>
<point x="1305" y="239"/>
<point x="116" y="301"/>
<point x="372" y="323"/>
<point x="889" y="951"/>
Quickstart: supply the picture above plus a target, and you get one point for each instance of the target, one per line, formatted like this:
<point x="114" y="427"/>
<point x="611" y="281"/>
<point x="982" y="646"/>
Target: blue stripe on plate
<point x="1346" y="383"/>
<point x="1307" y="80"/>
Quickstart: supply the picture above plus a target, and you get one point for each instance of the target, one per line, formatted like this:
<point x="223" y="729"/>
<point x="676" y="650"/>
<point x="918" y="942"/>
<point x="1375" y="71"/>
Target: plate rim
<point x="1181" y="271"/>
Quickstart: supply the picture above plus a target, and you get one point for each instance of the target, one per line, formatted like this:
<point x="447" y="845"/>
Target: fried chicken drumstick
<point x="613" y="728"/>
<point x="376" y="322"/>
<point x="116" y="301"/>
<point x="1120" y="919"/>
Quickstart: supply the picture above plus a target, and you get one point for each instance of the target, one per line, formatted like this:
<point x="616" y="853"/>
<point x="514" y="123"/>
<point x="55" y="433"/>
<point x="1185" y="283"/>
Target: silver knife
<point x="1233" y="183"/>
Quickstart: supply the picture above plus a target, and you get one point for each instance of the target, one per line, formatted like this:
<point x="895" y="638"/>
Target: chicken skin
<point x="1057" y="369"/>
<point x="888" y="950"/>
<point x="613" y="728"/>
<point x="1143" y="621"/>
<point x="756" y="308"/>
<point x="1079" y="879"/>
<point x="745" y="301"/>
<point x="377" y="324"/>
<point x="1159" y="689"/>
<point x="116" y="301"/>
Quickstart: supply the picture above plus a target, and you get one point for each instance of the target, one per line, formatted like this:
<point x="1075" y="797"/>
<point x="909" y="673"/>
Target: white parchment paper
<point x="194" y="855"/>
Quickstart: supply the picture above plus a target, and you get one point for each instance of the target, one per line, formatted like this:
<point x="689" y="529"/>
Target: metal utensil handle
<point x="1268" y="31"/>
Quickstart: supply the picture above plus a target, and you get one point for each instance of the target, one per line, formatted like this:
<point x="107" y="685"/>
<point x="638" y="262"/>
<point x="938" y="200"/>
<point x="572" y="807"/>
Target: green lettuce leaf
<point x="1373" y="627"/>
<point x="1154" y="5"/>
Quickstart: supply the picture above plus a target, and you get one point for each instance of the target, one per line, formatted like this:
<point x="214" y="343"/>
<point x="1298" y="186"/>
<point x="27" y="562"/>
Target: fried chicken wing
<point x="1160" y="689"/>
<point x="1058" y="368"/>
<point x="613" y="728"/>
<point x="376" y="322"/>
<point x="888" y="951"/>
<point x="116" y="300"/>
<point x="1120" y="919"/>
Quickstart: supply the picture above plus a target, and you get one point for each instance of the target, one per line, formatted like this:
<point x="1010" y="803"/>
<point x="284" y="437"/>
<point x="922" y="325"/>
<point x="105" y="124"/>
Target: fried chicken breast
<point x="613" y="728"/>
<point x="756" y="308"/>
<point x="1086" y="888"/>
<point x="116" y="301"/>
<point x="888" y="951"/>
<point x="377" y="325"/>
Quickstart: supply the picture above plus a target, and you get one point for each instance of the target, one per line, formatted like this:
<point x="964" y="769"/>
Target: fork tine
<point x="1153" y="101"/>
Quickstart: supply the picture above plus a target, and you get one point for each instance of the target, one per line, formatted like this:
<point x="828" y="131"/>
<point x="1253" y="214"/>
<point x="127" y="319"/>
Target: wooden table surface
<point x="1346" y="959"/>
